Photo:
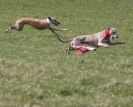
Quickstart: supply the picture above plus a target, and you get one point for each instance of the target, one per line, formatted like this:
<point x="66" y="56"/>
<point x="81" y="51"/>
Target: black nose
<point x="58" y="22"/>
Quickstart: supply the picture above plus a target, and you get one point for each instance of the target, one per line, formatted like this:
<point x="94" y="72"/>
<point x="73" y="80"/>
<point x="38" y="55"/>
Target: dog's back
<point x="36" y="23"/>
<point x="91" y="39"/>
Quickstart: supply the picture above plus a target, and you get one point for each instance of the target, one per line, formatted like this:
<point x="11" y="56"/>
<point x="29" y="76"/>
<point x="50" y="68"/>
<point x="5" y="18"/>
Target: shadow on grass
<point x="118" y="43"/>
<point x="115" y="43"/>
<point x="66" y="92"/>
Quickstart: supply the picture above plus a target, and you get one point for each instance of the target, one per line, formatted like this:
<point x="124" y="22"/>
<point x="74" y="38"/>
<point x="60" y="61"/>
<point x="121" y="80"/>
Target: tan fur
<point x="39" y="24"/>
<point x="36" y="23"/>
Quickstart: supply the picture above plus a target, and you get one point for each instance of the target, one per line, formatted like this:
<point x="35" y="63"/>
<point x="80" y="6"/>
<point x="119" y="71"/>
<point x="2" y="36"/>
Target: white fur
<point x="48" y="21"/>
<point x="16" y="24"/>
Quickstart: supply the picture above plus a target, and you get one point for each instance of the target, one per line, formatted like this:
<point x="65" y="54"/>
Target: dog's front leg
<point x="100" y="42"/>
<point x="55" y="29"/>
<point x="110" y="40"/>
<point x="103" y="44"/>
<point x="51" y="29"/>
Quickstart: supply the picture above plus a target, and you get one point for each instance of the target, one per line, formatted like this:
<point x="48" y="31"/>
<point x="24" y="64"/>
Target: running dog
<point x="97" y="39"/>
<point x="36" y="23"/>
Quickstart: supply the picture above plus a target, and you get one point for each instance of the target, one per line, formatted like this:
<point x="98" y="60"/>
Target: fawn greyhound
<point x="36" y="23"/>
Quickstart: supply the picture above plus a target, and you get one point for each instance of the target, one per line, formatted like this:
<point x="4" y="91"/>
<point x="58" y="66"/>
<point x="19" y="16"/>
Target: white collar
<point x="48" y="21"/>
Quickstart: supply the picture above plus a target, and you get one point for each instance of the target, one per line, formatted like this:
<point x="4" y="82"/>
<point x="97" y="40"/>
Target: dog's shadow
<point x="115" y="43"/>
<point x="118" y="43"/>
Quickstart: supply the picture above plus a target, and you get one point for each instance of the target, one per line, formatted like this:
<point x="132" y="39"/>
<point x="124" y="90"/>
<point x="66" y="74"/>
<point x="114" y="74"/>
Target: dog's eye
<point x="114" y="33"/>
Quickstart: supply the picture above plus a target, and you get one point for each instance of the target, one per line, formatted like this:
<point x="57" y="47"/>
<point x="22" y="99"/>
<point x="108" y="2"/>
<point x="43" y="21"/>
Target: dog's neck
<point x="106" y="33"/>
<point x="48" y="21"/>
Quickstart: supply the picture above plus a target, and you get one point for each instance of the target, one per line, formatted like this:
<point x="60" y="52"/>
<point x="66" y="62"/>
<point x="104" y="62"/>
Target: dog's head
<point x="113" y="34"/>
<point x="53" y="21"/>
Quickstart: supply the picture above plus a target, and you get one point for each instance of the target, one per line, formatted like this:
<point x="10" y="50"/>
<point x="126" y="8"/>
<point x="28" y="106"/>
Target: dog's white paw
<point x="106" y="46"/>
<point x="65" y="29"/>
<point x="6" y="31"/>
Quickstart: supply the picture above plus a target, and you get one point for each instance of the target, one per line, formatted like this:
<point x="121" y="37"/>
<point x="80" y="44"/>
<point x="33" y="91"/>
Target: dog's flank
<point x="36" y="23"/>
<point x="96" y="39"/>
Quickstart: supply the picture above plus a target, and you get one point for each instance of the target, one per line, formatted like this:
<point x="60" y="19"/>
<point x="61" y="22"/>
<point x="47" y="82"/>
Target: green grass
<point x="36" y="72"/>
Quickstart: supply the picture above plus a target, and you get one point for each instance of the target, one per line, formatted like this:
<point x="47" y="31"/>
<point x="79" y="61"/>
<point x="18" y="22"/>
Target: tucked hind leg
<point x="10" y="28"/>
<point x="84" y="48"/>
<point x="76" y="44"/>
<point x="17" y="27"/>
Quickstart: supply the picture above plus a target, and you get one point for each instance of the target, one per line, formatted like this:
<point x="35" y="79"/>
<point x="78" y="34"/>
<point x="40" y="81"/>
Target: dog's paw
<point x="65" y="29"/>
<point x="106" y="46"/>
<point x="6" y="31"/>
<point x="68" y="50"/>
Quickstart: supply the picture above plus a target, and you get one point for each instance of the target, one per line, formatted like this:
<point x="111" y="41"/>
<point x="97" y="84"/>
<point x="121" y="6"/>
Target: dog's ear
<point x="108" y="28"/>
<point x="49" y="18"/>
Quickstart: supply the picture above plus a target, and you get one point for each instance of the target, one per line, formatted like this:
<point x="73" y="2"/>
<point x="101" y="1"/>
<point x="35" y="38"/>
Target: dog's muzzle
<point x="114" y="35"/>
<point x="57" y="23"/>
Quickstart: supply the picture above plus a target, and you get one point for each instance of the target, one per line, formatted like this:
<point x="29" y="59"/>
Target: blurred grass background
<point x="36" y="72"/>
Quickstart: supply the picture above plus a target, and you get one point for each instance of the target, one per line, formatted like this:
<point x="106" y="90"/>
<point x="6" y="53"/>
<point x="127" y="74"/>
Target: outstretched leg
<point x="55" y="29"/>
<point x="84" y="48"/>
<point x="76" y="44"/>
<point x="58" y="37"/>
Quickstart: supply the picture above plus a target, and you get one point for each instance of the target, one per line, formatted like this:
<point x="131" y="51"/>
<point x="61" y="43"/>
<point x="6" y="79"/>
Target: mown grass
<point x="36" y="72"/>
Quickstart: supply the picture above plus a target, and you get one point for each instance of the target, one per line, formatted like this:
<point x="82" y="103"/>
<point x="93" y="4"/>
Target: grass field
<point x="36" y="72"/>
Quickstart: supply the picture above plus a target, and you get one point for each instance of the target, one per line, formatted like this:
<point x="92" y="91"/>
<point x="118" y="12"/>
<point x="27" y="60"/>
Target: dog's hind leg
<point x="68" y="49"/>
<point x="84" y="48"/>
<point x="10" y="28"/>
<point x="15" y="27"/>
<point x="19" y="26"/>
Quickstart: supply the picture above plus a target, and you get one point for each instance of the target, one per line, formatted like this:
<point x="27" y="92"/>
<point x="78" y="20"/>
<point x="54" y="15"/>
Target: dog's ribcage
<point x="91" y="39"/>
